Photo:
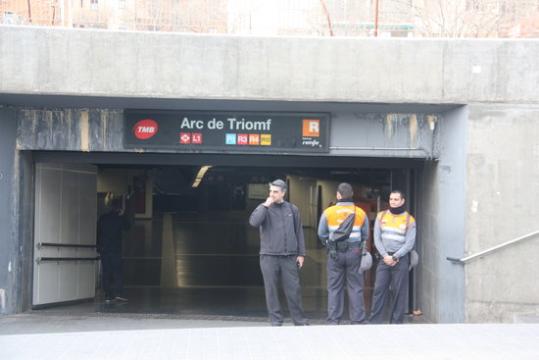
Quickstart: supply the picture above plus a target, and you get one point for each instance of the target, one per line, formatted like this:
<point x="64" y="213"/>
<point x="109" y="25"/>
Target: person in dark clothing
<point x="109" y="245"/>
<point x="282" y="252"/>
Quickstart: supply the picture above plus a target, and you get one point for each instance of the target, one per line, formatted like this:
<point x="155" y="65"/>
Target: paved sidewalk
<point x="47" y="322"/>
<point x="28" y="336"/>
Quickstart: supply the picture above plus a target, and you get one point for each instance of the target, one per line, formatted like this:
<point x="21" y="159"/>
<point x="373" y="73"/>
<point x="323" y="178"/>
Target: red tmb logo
<point x="145" y="129"/>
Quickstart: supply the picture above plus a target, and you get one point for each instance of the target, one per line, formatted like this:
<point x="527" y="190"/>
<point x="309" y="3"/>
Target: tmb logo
<point x="145" y="129"/>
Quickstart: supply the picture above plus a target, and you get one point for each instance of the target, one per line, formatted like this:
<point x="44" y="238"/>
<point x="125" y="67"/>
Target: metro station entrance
<point x="190" y="250"/>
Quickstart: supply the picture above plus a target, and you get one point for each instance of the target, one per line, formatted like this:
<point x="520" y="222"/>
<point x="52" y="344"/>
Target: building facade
<point x="454" y="122"/>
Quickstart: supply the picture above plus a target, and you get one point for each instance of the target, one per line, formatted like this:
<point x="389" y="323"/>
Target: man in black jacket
<point x="109" y="245"/>
<point x="282" y="252"/>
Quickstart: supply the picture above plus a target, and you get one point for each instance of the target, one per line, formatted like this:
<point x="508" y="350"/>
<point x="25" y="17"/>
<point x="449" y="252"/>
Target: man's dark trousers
<point x="112" y="275"/>
<point x="275" y="269"/>
<point x="345" y="270"/>
<point x="397" y="277"/>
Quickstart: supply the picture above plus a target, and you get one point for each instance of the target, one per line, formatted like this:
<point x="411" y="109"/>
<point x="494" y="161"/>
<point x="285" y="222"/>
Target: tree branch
<point x="328" y="18"/>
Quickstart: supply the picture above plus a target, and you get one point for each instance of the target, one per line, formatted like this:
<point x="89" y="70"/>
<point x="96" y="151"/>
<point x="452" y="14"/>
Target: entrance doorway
<point x="190" y="250"/>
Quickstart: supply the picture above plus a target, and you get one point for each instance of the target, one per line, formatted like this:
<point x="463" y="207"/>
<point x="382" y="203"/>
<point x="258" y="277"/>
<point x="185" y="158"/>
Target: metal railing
<point x="492" y="249"/>
<point x="58" y="259"/>
<point x="66" y="245"/>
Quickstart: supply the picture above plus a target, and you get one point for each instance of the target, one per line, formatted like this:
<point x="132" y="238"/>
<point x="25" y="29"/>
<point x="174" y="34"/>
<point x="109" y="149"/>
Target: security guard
<point x="344" y="256"/>
<point x="394" y="238"/>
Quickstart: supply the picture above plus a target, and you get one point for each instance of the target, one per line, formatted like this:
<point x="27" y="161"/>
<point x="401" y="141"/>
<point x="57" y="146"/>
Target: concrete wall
<point x="502" y="178"/>
<point x="442" y="224"/>
<point x="493" y="153"/>
<point x="9" y="246"/>
<point x="159" y="65"/>
<point x="24" y="205"/>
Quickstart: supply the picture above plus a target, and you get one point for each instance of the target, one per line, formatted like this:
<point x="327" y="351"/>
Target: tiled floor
<point x="181" y="263"/>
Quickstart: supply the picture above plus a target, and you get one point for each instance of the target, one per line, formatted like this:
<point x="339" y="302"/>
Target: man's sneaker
<point x="119" y="298"/>
<point x="109" y="301"/>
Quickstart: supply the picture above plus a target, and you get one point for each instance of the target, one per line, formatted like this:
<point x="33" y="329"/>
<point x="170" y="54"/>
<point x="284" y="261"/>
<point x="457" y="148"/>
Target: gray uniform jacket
<point x="281" y="232"/>
<point x="398" y="243"/>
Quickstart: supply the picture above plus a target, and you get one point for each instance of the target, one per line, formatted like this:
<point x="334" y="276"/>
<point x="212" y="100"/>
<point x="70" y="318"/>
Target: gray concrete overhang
<point x="97" y="63"/>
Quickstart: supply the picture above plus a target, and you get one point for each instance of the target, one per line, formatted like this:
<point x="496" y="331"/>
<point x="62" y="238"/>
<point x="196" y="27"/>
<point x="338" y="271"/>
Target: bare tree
<point x="464" y="18"/>
<point x="29" y="2"/>
<point x="328" y="17"/>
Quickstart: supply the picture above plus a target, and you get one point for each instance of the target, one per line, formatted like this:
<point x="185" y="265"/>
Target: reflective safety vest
<point x="336" y="214"/>
<point x="393" y="227"/>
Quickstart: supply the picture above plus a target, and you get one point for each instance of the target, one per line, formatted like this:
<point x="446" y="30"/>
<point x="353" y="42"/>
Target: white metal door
<point x="64" y="233"/>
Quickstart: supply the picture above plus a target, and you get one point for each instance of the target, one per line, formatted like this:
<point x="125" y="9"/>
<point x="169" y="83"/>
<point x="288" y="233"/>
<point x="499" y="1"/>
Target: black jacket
<point x="109" y="232"/>
<point x="281" y="231"/>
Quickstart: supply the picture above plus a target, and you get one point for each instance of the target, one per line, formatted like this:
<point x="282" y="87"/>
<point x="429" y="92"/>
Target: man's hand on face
<point x="268" y="202"/>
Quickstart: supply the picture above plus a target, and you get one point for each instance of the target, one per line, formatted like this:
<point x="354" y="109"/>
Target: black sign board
<point x="228" y="131"/>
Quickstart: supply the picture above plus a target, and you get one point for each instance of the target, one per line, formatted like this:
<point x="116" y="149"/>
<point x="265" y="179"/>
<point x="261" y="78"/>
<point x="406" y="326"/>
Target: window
<point x="472" y="5"/>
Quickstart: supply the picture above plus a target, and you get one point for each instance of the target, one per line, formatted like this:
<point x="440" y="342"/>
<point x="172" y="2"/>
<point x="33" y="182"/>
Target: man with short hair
<point x="394" y="238"/>
<point x="282" y="252"/>
<point x="344" y="255"/>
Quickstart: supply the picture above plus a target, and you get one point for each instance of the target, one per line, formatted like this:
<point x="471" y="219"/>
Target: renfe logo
<point x="145" y="129"/>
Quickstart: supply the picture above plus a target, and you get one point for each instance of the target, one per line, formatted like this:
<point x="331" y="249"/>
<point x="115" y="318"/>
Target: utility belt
<point x="380" y="257"/>
<point x="343" y="246"/>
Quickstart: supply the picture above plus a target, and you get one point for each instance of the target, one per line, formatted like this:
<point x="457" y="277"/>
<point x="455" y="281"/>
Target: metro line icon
<point x="254" y="139"/>
<point x="243" y="139"/>
<point x="196" y="138"/>
<point x="185" y="138"/>
<point x="265" y="139"/>
<point x="230" y="139"/>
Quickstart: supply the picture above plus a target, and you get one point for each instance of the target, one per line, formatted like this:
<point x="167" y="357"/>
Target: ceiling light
<point x="201" y="172"/>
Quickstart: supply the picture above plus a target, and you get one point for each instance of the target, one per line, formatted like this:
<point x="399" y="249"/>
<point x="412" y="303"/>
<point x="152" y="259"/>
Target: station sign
<point x="228" y="131"/>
